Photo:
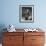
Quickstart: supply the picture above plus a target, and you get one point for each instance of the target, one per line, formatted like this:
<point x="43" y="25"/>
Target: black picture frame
<point x="26" y="13"/>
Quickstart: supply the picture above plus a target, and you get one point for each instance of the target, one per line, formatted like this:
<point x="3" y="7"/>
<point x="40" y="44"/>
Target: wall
<point x="10" y="13"/>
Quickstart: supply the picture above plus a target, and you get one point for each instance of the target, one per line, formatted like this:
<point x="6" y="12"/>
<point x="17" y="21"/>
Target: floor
<point x="0" y="44"/>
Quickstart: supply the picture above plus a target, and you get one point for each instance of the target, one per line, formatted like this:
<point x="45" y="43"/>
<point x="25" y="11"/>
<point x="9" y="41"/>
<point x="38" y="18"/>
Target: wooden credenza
<point x="23" y="39"/>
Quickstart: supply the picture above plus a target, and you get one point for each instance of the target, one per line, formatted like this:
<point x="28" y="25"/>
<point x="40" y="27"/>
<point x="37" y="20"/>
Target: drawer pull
<point x="10" y="38"/>
<point x="33" y="39"/>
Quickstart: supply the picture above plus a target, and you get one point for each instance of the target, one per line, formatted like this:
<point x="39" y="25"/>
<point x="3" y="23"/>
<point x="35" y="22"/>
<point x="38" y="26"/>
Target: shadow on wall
<point x="2" y="26"/>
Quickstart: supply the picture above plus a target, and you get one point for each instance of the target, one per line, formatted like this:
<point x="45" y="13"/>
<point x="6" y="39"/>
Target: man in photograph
<point x="26" y="13"/>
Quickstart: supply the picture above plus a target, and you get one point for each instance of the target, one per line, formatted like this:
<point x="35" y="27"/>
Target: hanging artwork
<point x="26" y="13"/>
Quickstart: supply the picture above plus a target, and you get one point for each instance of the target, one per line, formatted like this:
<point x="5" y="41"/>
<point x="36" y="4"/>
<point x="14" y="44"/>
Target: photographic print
<point x="26" y="13"/>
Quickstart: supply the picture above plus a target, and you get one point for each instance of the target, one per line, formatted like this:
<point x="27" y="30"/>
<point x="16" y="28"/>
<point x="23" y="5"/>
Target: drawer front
<point x="34" y="33"/>
<point x="13" y="33"/>
<point x="12" y="44"/>
<point x="27" y="41"/>
<point x="37" y="44"/>
<point x="12" y="39"/>
<point x="37" y="39"/>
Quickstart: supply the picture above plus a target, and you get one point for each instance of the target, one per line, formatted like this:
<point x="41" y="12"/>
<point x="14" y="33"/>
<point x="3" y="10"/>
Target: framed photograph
<point x="26" y="13"/>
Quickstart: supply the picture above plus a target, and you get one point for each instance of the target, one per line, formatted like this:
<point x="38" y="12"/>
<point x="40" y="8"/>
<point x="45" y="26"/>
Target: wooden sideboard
<point x="23" y="38"/>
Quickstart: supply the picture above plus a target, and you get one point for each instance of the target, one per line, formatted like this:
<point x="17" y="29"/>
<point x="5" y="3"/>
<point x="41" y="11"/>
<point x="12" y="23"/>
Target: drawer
<point x="34" y="33"/>
<point x="18" y="44"/>
<point x="27" y="41"/>
<point x="27" y="37"/>
<point x="37" y="39"/>
<point x="37" y="44"/>
<point x="12" y="44"/>
<point x="12" y="38"/>
<point x="13" y="33"/>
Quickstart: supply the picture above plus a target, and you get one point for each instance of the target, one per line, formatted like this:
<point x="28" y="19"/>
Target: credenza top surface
<point x="22" y="30"/>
